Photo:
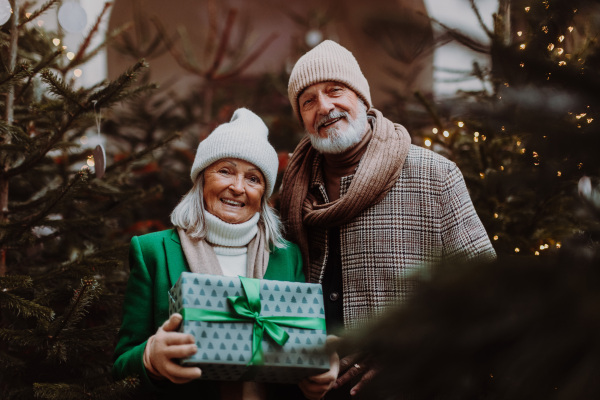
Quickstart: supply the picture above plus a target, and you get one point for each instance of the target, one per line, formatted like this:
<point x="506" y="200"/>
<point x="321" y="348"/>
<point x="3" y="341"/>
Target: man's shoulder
<point x="418" y="155"/>
<point x="425" y="168"/>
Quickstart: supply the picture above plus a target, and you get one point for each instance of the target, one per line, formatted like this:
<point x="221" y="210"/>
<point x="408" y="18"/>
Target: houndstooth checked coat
<point x="426" y="217"/>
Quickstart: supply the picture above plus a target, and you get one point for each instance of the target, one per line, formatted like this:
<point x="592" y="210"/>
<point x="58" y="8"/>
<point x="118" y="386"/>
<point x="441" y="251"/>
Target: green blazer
<point x="156" y="261"/>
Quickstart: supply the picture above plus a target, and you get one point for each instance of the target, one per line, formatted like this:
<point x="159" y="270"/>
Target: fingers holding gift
<point x="178" y="374"/>
<point x="164" y="347"/>
<point x="312" y="390"/>
<point x="172" y="324"/>
<point x="316" y="386"/>
<point x="179" y="351"/>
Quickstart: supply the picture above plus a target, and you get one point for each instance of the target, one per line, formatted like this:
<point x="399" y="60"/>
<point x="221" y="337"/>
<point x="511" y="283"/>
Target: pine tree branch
<point x="60" y="88"/>
<point x="105" y="96"/>
<point x="430" y="109"/>
<point x="250" y="59"/>
<point x="25" y="308"/>
<point x="142" y="153"/>
<point x="82" y="298"/>
<point x="489" y="33"/>
<point x="16" y="134"/>
<point x="60" y="391"/>
<point x="9" y="118"/>
<point x="44" y="63"/>
<point x="14" y="76"/>
<point x="24" y="227"/>
<point x="39" y="12"/>
<point x="86" y="42"/>
<point x="184" y="62"/>
<point x="463" y="39"/>
<point x="100" y="258"/>
<point x="222" y="46"/>
<point x="10" y="282"/>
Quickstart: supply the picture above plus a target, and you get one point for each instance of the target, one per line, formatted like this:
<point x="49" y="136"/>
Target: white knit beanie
<point x="244" y="137"/>
<point x="327" y="62"/>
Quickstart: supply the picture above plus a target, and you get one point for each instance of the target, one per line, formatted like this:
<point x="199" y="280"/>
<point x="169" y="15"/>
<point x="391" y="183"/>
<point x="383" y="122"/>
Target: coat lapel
<point x="176" y="262"/>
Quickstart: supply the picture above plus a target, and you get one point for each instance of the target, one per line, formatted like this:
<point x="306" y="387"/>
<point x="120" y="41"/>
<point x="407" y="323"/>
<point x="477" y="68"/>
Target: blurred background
<point x="104" y="103"/>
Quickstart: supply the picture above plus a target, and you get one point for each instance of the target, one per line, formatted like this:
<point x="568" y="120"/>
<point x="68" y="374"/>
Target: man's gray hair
<point x="189" y="216"/>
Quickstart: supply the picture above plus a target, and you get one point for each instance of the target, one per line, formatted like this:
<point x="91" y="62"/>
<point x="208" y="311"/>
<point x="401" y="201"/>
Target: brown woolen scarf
<point x="376" y="174"/>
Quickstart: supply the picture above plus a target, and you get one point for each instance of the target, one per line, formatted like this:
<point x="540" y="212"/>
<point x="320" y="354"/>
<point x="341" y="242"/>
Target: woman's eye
<point x="224" y="171"/>
<point x="254" y="179"/>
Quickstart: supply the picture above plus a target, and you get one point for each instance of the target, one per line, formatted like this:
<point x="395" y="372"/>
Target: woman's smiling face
<point x="233" y="190"/>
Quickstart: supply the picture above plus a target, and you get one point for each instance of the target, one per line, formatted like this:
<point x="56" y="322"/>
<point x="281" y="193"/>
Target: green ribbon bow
<point x="247" y="308"/>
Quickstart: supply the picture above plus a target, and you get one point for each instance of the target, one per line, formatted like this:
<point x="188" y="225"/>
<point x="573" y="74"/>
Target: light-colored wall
<point x="402" y="23"/>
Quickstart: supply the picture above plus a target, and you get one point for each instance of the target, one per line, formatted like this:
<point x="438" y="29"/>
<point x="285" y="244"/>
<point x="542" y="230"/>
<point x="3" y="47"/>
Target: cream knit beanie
<point x="244" y="137"/>
<point x="327" y="62"/>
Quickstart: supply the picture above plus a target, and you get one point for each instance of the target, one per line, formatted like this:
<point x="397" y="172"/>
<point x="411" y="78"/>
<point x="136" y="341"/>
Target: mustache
<point x="332" y="115"/>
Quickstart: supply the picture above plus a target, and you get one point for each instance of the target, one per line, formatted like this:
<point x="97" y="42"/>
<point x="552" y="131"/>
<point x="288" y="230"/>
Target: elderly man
<point x="367" y="208"/>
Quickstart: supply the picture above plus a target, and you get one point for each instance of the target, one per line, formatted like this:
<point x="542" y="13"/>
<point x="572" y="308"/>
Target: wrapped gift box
<point x="221" y="313"/>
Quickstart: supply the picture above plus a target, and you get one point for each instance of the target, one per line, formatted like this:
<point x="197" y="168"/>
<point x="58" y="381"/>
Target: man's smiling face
<point x="333" y="116"/>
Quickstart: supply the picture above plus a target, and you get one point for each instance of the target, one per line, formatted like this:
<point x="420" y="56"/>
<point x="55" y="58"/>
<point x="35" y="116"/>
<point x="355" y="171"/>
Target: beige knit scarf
<point x="376" y="174"/>
<point x="202" y="259"/>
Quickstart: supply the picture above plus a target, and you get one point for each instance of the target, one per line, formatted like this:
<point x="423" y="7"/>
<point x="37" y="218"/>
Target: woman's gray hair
<point x="189" y="216"/>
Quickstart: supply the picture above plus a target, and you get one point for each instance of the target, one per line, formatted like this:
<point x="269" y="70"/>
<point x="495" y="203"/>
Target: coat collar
<point x="176" y="262"/>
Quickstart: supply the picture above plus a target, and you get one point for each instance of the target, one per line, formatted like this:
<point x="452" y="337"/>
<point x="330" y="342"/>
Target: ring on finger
<point x="357" y="366"/>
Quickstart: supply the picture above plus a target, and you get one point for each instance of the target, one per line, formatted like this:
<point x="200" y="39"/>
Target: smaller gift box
<point x="252" y="329"/>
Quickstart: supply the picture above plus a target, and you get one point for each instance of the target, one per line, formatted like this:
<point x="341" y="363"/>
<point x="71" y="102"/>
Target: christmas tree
<point x="527" y="137"/>
<point x="66" y="210"/>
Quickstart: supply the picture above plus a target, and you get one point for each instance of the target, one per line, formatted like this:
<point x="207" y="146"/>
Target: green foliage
<point x="64" y="234"/>
<point x="526" y="139"/>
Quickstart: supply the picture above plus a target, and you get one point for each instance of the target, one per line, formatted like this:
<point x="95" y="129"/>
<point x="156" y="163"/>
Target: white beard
<point x="338" y="141"/>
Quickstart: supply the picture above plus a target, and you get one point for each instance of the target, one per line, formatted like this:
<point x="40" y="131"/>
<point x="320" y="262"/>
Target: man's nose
<point x="325" y="104"/>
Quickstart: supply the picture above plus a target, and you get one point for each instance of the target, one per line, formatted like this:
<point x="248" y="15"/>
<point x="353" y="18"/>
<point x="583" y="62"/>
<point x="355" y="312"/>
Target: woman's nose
<point x="237" y="185"/>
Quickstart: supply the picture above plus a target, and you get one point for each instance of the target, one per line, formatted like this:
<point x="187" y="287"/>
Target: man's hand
<point x="166" y="345"/>
<point x="354" y="367"/>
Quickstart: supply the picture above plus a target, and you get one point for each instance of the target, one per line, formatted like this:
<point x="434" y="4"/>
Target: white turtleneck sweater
<point x="230" y="242"/>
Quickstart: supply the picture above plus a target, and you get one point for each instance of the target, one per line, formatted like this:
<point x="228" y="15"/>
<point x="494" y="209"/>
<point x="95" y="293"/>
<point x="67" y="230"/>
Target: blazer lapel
<point x="176" y="262"/>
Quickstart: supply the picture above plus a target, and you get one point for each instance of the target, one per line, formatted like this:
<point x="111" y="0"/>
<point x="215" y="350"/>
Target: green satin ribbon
<point x="247" y="308"/>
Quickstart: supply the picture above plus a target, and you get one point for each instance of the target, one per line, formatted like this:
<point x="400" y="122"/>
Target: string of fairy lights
<point x="558" y="49"/>
<point x="72" y="19"/>
<point x="71" y="16"/>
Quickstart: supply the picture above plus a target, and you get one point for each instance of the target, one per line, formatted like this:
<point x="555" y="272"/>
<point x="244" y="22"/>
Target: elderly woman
<point x="224" y="226"/>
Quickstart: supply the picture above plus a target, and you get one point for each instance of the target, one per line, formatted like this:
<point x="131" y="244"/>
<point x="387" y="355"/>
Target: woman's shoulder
<point x="285" y="263"/>
<point x="286" y="248"/>
<point x="155" y="237"/>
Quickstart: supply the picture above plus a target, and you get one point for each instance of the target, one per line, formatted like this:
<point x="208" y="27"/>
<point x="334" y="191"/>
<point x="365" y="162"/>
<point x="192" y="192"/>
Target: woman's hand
<point x="165" y="346"/>
<point x="315" y="387"/>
